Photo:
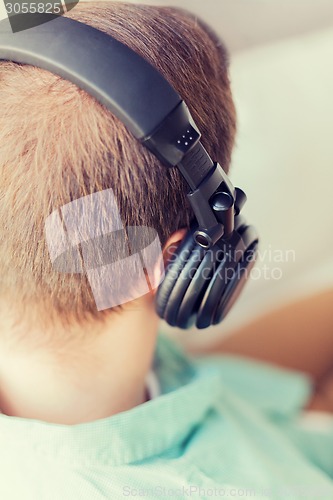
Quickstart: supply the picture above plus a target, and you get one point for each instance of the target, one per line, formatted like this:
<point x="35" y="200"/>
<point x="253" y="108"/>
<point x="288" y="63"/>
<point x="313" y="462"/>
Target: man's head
<point x="58" y="145"/>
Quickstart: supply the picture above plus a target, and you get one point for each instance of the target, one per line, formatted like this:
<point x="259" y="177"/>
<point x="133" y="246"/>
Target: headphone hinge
<point x="213" y="206"/>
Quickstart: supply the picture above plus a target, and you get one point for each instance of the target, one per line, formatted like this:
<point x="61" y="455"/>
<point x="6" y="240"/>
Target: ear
<point x="169" y="248"/>
<point x="172" y="243"/>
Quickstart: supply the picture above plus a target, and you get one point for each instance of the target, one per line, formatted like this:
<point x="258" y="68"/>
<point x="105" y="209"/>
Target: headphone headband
<point x="119" y="78"/>
<point x="129" y="87"/>
<point x="107" y="69"/>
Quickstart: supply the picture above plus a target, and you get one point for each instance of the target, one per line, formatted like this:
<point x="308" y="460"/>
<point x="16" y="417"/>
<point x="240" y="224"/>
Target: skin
<point x="89" y="381"/>
<point x="298" y="336"/>
<point x="81" y="382"/>
<point x="96" y="381"/>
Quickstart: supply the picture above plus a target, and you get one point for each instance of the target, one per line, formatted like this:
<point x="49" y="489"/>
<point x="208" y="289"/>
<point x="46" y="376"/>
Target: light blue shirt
<point x="223" y="427"/>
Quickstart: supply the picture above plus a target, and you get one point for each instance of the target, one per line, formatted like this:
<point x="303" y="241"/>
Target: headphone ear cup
<point x="235" y="287"/>
<point x="201" y="285"/>
<point x="172" y="271"/>
<point x="196" y="290"/>
<point x="229" y="279"/>
<point x="185" y="279"/>
<point x="215" y="292"/>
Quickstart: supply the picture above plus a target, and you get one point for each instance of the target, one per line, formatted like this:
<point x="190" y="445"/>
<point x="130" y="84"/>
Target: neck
<point x="81" y="382"/>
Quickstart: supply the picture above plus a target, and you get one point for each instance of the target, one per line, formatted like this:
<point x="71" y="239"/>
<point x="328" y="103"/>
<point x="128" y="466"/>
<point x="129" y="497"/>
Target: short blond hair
<point x="58" y="144"/>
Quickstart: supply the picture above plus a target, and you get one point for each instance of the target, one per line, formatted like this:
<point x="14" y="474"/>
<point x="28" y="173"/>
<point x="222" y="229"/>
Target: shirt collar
<point x="144" y="431"/>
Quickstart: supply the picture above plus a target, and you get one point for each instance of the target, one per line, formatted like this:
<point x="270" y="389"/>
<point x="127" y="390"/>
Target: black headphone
<point x="209" y="268"/>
